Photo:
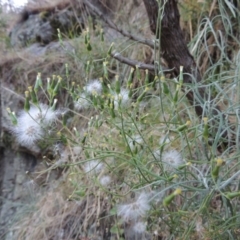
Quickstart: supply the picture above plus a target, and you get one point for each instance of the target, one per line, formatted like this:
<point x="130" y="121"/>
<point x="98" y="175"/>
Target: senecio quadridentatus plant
<point x="37" y="122"/>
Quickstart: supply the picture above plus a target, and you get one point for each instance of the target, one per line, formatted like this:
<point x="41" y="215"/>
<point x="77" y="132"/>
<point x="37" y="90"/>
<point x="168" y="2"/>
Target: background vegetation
<point x="135" y="160"/>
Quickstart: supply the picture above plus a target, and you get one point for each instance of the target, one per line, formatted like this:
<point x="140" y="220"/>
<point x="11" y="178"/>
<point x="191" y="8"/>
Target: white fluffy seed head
<point x="134" y="210"/>
<point x="105" y="180"/>
<point x="31" y="125"/>
<point x="94" y="87"/>
<point x="172" y="158"/>
<point x="93" y="166"/>
<point x="42" y="114"/>
<point x="135" y="141"/>
<point x="121" y="99"/>
<point x="27" y="135"/>
<point x="82" y="103"/>
<point x="139" y="227"/>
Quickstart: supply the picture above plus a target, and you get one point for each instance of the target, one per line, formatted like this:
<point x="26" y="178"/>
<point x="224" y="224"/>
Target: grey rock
<point x="43" y="27"/>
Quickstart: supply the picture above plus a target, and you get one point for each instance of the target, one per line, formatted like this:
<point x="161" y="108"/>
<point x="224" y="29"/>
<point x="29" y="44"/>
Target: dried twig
<point x="134" y="63"/>
<point x="150" y="43"/>
<point x="131" y="62"/>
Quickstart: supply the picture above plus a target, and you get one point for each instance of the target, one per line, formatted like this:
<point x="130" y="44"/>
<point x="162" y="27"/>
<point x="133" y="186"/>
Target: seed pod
<point x="105" y="71"/>
<point x="175" y="98"/>
<point x="102" y="35"/>
<point x="64" y="119"/>
<point x="130" y="78"/>
<point x="112" y="110"/>
<point x="110" y="50"/>
<point x="55" y="90"/>
<point x="138" y="72"/>
<point x="12" y="116"/>
<point x="117" y="85"/>
<point x="231" y="195"/>
<point x="53" y="107"/>
<point x="181" y="76"/>
<point x="140" y="98"/>
<point x="27" y="103"/>
<point x="215" y="171"/>
<point x="146" y="77"/>
<point x="33" y="95"/>
<point x="167" y="200"/>
<point x="205" y="130"/>
<point x="38" y="82"/>
<point x="89" y="47"/>
<point x="184" y="126"/>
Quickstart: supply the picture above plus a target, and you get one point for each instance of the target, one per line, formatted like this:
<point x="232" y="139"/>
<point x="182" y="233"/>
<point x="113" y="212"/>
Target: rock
<point x="41" y="25"/>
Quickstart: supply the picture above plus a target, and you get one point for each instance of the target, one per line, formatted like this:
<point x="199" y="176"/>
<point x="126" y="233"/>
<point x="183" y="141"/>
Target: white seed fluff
<point x="94" y="87"/>
<point x="31" y="125"/>
<point x="82" y="103"/>
<point x="105" y="180"/>
<point x="121" y="99"/>
<point x="172" y="158"/>
<point x="28" y="134"/>
<point x="93" y="165"/>
<point x="42" y="114"/>
<point x="139" y="227"/>
<point x="135" y="141"/>
<point x="134" y="210"/>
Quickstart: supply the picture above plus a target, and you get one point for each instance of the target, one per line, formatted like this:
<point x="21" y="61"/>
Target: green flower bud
<point x="55" y="90"/>
<point x="110" y="50"/>
<point x="140" y="98"/>
<point x="102" y="35"/>
<point x="175" y="97"/>
<point x="138" y="72"/>
<point x="54" y="104"/>
<point x="184" y="126"/>
<point x="67" y="69"/>
<point x="12" y="116"/>
<point x="146" y="77"/>
<point x="215" y="171"/>
<point x="27" y="103"/>
<point x="105" y="71"/>
<point x="112" y="112"/>
<point x="117" y="85"/>
<point x="89" y="47"/>
<point x="205" y="130"/>
<point x="33" y="95"/>
<point x="38" y="82"/>
<point x="130" y="78"/>
<point x="64" y="119"/>
<point x="231" y="195"/>
<point x="181" y="76"/>
<point x="167" y="200"/>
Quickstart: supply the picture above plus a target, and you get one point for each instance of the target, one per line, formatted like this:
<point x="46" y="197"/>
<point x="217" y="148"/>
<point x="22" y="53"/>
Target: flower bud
<point x="184" y="126"/>
<point x="27" y="103"/>
<point x="167" y="200"/>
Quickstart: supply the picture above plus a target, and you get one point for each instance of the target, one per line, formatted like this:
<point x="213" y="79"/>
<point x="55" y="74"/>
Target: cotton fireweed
<point x="172" y="159"/>
<point x="83" y="102"/>
<point x="94" y="165"/>
<point x="32" y="125"/>
<point x="121" y="99"/>
<point x="135" y="141"/>
<point x="94" y="87"/>
<point x="105" y="180"/>
<point x="135" y="210"/>
<point x="139" y="227"/>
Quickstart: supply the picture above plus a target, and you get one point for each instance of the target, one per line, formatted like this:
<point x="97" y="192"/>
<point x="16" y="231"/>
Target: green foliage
<point x="146" y="152"/>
